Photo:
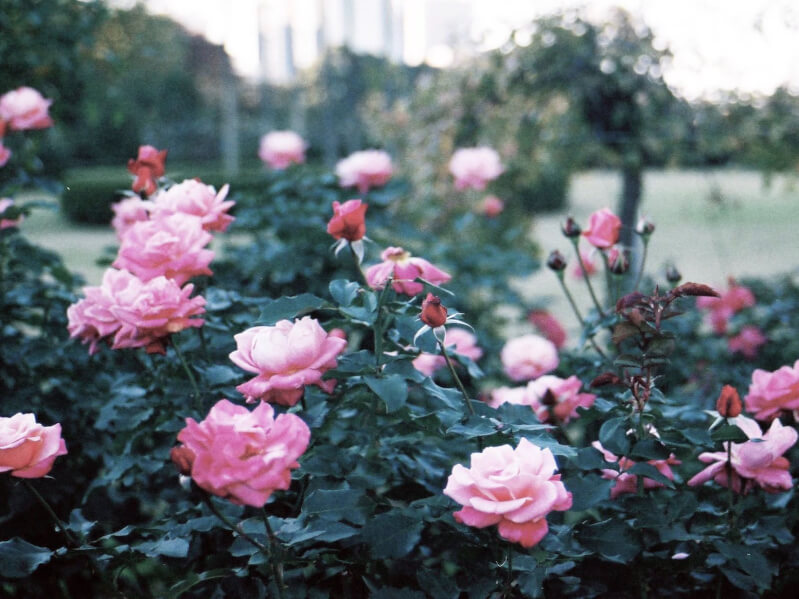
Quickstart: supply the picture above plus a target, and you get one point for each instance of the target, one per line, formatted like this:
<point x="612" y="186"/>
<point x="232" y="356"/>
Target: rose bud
<point x="556" y="261"/>
<point x="570" y="228"/>
<point x="433" y="313"/>
<point x="617" y="261"/>
<point x="183" y="458"/>
<point x="694" y="289"/>
<point x="729" y="404"/>
<point x="645" y="227"/>
<point x="673" y="275"/>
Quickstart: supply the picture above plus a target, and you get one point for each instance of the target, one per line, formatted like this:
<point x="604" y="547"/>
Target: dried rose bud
<point x="645" y="227"/>
<point x="570" y="228"/>
<point x="183" y="458"/>
<point x="729" y="404"/>
<point x="556" y="261"/>
<point x="694" y="289"/>
<point x="606" y="378"/>
<point x="673" y="275"/>
<point x="433" y="313"/>
<point x="618" y="262"/>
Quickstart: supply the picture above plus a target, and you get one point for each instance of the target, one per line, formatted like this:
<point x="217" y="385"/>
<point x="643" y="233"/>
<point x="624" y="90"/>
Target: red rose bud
<point x="148" y="167"/>
<point x="570" y="228"/>
<point x="433" y="313"/>
<point x="183" y="458"/>
<point x="556" y="261"/>
<point x="729" y="404"/>
<point x="348" y="220"/>
<point x="673" y="275"/>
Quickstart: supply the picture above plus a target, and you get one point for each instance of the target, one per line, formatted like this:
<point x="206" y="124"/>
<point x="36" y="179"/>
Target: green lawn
<point x="741" y="228"/>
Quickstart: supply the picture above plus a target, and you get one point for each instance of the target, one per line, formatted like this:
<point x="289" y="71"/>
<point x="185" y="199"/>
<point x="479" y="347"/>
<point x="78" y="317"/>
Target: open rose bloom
<point x="528" y="357"/>
<point x="128" y="312"/>
<point x="747" y="342"/>
<point x="758" y="461"/>
<point x="25" y="108"/>
<point x="772" y="393"/>
<point x="364" y="170"/>
<point x="626" y="482"/>
<point x="550" y="397"/>
<point x="28" y="449"/>
<point x="403" y="268"/>
<point x="286" y="357"/>
<point x="195" y="198"/>
<point x="512" y="488"/>
<point x="475" y="167"/>
<point x="280" y="149"/>
<point x="241" y="455"/>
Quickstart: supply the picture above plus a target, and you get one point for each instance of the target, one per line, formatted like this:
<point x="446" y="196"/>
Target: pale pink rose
<point x="25" y="108"/>
<point x="457" y="340"/>
<point x="28" y="449"/>
<point x="474" y="167"/>
<point x="286" y="357"/>
<point x="128" y="212"/>
<point x="5" y="153"/>
<point x="244" y="456"/>
<point x="772" y="393"/>
<point x="528" y="357"/>
<point x="603" y="228"/>
<point x="512" y="395"/>
<point x="492" y="206"/>
<point x="364" y="170"/>
<point x="8" y="222"/>
<point x="628" y="483"/>
<point x="512" y="488"/>
<point x="722" y="308"/>
<point x="558" y="398"/>
<point x="403" y="268"/>
<point x="279" y="149"/>
<point x="757" y="461"/>
<point x="136" y="313"/>
<point x="170" y="246"/>
<point x="747" y="342"/>
<point x="198" y="199"/>
<point x="589" y="261"/>
<point x="548" y="326"/>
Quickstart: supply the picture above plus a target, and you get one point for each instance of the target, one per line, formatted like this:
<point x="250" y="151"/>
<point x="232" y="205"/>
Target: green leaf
<point x="343" y="292"/>
<point x="650" y="449"/>
<point x="392" y="535"/>
<point x="728" y="432"/>
<point x="750" y="560"/>
<point x="475" y="426"/>
<point x="289" y="307"/>
<point x="18" y="558"/>
<point x="588" y="490"/>
<point x="336" y="505"/>
<point x="613" y="435"/>
<point x="190" y="580"/>
<point x="589" y="458"/>
<point x="612" y="539"/>
<point x="392" y="389"/>
<point x="649" y="471"/>
<point x="164" y="547"/>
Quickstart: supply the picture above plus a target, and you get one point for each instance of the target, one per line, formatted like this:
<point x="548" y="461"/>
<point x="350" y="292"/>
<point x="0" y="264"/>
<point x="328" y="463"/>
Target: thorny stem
<point x="577" y="313"/>
<point x="378" y="327"/>
<point x="233" y="527"/>
<point x="456" y="378"/>
<point x="276" y="564"/>
<point x="60" y="525"/>
<point x="186" y="368"/>
<point x="587" y="279"/>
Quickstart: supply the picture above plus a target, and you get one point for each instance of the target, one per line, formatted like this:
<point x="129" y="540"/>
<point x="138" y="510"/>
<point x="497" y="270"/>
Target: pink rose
<point x="364" y="170"/>
<point x="128" y="212"/>
<point x="474" y="167"/>
<point x="28" y="449"/>
<point x="279" y="149"/>
<point x="349" y="220"/>
<point x="528" y="357"/>
<point x="456" y="339"/>
<point x="512" y="488"/>
<point x="747" y="342"/>
<point x="8" y="222"/>
<point x="136" y="313"/>
<point x="244" y="456"/>
<point x="603" y="228"/>
<point x="628" y="483"/>
<point x="25" y="108"/>
<point x="757" y="461"/>
<point x="772" y="393"/>
<point x="149" y="166"/>
<point x="492" y="206"/>
<point x="5" y="153"/>
<point x="722" y="308"/>
<point x="286" y="357"/>
<point x="170" y="246"/>
<point x="548" y="326"/>
<point x="558" y="397"/>
<point x="402" y="268"/>
<point x="198" y="199"/>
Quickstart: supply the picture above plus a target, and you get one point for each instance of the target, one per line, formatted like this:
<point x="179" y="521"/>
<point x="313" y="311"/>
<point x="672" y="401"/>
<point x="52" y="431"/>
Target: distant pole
<point x="229" y="135"/>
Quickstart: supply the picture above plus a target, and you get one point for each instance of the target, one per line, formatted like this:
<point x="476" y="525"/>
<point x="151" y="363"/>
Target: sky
<point x="748" y="45"/>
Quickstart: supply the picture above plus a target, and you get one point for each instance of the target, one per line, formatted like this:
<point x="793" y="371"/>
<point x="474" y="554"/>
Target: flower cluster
<point x="241" y="455"/>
